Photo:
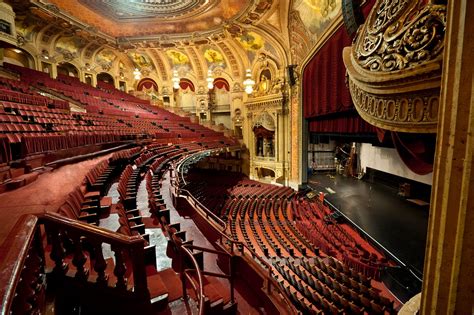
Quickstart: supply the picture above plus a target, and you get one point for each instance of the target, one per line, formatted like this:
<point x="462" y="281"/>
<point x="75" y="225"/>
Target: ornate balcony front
<point x="394" y="66"/>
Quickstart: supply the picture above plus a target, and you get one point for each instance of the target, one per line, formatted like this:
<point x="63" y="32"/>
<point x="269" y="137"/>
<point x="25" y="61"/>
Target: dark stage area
<point x="398" y="225"/>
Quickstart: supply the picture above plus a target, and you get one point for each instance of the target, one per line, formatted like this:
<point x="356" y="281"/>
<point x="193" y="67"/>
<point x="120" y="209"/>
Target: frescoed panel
<point x="141" y="60"/>
<point x="177" y="58"/>
<point x="214" y="58"/>
<point x="105" y="58"/>
<point x="317" y="15"/>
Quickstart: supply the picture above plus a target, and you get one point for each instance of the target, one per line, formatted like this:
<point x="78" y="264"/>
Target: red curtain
<point x="185" y="83"/>
<point x="347" y="124"/>
<point x="221" y="83"/>
<point x="416" y="150"/>
<point x="324" y="79"/>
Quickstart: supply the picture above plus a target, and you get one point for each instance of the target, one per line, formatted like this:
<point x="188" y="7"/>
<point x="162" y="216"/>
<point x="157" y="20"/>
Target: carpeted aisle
<point x="47" y="193"/>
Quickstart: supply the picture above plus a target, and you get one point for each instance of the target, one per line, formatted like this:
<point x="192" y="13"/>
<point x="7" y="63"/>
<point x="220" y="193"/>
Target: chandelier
<point x="137" y="74"/>
<point x="175" y="80"/>
<point x="248" y="83"/>
<point x="210" y="80"/>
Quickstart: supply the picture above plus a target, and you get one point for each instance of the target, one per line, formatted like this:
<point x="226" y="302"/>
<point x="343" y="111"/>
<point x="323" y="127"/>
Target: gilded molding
<point x="394" y="65"/>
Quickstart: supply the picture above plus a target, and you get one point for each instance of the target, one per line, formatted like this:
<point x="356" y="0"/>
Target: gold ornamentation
<point x="394" y="66"/>
<point x="401" y="34"/>
<point x="404" y="112"/>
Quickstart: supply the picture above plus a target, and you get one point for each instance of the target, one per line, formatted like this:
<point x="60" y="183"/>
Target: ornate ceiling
<point x="155" y="36"/>
<point x="142" y="18"/>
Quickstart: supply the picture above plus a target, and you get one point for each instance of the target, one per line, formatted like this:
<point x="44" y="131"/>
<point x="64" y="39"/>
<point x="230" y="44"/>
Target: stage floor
<point x="397" y="224"/>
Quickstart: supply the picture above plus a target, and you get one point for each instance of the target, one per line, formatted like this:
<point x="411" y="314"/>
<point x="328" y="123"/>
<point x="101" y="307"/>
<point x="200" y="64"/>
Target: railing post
<point x="79" y="258"/>
<point x="100" y="264"/>
<point x="232" y="276"/>
<point x="57" y="252"/>
<point x="139" y="271"/>
<point x="120" y="269"/>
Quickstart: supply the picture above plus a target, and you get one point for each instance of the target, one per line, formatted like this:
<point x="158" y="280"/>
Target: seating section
<point x="279" y="225"/>
<point x="315" y="221"/>
<point x="35" y="116"/>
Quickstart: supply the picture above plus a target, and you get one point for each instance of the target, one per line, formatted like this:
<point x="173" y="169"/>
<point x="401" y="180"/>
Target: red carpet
<point x="151" y="222"/>
<point x="47" y="193"/>
<point x="173" y="284"/>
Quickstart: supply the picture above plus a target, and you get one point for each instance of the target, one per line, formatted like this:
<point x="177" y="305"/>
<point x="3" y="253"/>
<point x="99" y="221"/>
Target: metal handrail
<point x="200" y="292"/>
<point x="224" y="235"/>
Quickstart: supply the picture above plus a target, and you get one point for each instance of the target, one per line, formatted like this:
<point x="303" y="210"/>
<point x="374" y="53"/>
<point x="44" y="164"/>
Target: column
<point x="448" y="286"/>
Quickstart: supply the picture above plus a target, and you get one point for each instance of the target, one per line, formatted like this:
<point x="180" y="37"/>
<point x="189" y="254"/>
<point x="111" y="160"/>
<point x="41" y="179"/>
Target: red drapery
<point x="347" y="124"/>
<point x="327" y="102"/>
<point x="147" y="84"/>
<point x="324" y="79"/>
<point x="221" y="83"/>
<point x="416" y="150"/>
<point x="185" y="83"/>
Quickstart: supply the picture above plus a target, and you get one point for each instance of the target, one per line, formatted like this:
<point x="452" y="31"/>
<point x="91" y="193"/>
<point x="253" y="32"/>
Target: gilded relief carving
<point x="394" y="67"/>
<point x="400" y="34"/>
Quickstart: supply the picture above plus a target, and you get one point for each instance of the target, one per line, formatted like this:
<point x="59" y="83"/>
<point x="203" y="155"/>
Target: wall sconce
<point x="248" y="83"/>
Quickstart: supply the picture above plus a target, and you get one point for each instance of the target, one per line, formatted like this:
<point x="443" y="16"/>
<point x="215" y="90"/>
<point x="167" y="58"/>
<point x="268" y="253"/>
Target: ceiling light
<point x="210" y="80"/>
<point x="137" y="74"/>
<point x="175" y="80"/>
<point x="248" y="83"/>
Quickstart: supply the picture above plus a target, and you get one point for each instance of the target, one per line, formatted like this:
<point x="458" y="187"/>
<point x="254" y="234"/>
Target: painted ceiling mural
<point x="177" y="58"/>
<point x="317" y="14"/>
<point x="214" y="58"/>
<point x="123" y="18"/>
<point x="105" y="59"/>
<point x="70" y="46"/>
<point x="309" y="19"/>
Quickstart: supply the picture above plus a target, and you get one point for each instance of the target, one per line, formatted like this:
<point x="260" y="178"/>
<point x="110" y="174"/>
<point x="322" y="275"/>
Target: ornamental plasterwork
<point x="401" y="34"/>
<point x="394" y="66"/>
<point x="271" y="102"/>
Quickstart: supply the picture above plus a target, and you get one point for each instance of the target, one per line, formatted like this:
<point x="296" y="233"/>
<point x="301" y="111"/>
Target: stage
<point x="397" y="225"/>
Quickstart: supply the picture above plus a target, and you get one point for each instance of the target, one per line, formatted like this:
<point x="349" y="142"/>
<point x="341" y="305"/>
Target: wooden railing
<point x="24" y="265"/>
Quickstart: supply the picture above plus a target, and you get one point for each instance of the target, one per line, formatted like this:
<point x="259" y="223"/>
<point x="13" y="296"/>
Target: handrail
<point x="91" y="230"/>
<point x="200" y="292"/>
<point x="26" y="238"/>
<point x="224" y="235"/>
<point x="12" y="258"/>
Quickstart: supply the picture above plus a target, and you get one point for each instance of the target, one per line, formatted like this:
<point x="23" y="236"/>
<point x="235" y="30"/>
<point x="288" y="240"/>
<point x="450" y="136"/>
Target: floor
<point x="398" y="225"/>
<point x="47" y="193"/>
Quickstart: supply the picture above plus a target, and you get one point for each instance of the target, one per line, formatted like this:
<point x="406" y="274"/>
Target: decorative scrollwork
<point x="394" y="66"/>
<point x="399" y="34"/>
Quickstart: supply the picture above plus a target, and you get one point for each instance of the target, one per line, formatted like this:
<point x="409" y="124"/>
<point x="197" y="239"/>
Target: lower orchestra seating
<point x="321" y="265"/>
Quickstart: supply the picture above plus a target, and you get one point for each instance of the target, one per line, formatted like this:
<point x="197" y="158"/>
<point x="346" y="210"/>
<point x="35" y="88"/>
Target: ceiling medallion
<point x="139" y="9"/>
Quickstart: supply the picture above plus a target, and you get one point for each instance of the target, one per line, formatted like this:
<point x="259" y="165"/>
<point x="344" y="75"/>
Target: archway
<point x="186" y="96"/>
<point x="19" y="57"/>
<point x="67" y="69"/>
<point x="106" y="78"/>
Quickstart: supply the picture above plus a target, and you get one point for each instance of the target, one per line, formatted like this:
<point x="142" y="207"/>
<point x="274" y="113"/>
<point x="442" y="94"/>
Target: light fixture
<point x="175" y="80"/>
<point x="137" y="74"/>
<point x="248" y="83"/>
<point x="210" y="80"/>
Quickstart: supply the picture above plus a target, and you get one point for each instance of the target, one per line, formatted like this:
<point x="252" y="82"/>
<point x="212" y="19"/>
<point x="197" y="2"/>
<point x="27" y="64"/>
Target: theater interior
<point x="236" y="157"/>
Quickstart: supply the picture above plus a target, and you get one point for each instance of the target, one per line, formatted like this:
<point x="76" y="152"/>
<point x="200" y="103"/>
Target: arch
<point x="67" y="69"/>
<point x="147" y="84"/>
<point x="186" y="83"/>
<point x="19" y="57"/>
<point x="221" y="83"/>
<point x="106" y="78"/>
